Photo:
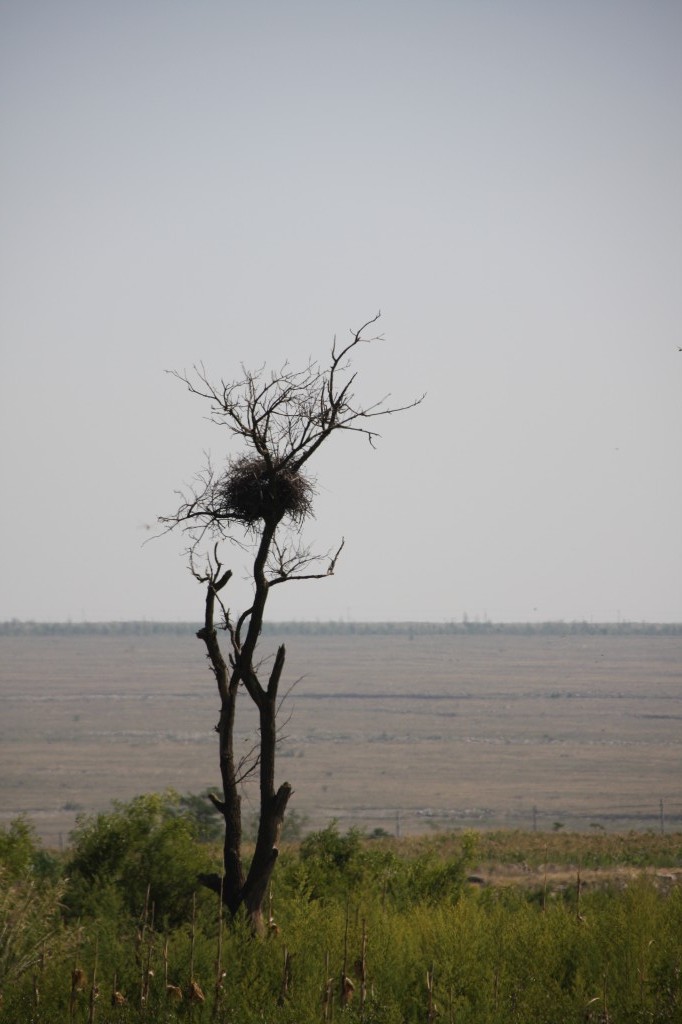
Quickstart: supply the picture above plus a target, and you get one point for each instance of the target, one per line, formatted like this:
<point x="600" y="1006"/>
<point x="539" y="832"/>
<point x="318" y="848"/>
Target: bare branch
<point x="218" y="804"/>
<point x="283" y="418"/>
<point x="290" y="568"/>
<point x="248" y="763"/>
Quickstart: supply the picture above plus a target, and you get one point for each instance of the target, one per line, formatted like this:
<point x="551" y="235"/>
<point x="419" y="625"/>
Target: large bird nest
<point x="251" y="491"/>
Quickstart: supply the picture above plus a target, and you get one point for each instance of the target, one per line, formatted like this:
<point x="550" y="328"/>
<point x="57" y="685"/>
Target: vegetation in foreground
<point x="373" y="929"/>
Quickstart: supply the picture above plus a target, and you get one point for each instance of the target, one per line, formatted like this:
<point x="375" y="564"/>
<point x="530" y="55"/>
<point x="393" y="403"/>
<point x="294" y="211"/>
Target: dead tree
<point x="260" y="500"/>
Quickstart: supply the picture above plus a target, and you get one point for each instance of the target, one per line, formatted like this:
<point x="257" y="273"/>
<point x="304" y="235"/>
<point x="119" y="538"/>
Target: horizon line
<point x="476" y="621"/>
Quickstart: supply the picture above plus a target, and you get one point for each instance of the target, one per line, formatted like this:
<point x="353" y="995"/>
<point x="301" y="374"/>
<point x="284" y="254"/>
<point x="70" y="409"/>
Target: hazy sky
<point x="236" y="182"/>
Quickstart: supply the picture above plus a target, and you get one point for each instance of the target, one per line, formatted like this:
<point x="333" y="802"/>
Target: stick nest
<point x="250" y="492"/>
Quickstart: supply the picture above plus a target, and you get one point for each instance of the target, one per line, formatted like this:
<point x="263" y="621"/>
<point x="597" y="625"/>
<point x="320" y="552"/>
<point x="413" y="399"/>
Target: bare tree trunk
<point x="232" y="884"/>
<point x="272" y="804"/>
<point x="236" y="890"/>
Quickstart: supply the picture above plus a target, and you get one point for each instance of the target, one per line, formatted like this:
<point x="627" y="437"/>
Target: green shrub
<point x="333" y="862"/>
<point x="147" y="846"/>
<point x="22" y="854"/>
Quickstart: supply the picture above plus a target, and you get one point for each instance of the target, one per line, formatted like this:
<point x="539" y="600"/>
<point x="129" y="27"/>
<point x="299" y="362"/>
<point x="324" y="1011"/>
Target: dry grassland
<point x="433" y="731"/>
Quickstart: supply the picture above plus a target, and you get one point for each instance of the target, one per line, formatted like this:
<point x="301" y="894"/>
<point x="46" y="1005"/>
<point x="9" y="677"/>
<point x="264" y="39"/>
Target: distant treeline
<point x="466" y="628"/>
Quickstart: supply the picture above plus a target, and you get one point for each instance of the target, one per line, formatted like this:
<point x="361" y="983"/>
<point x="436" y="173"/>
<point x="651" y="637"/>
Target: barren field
<point x="379" y="730"/>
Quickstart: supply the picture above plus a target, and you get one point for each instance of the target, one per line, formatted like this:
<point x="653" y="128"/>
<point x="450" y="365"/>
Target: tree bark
<point x="236" y="888"/>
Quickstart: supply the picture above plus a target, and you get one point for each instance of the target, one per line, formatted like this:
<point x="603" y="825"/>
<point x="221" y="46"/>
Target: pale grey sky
<point x="236" y="182"/>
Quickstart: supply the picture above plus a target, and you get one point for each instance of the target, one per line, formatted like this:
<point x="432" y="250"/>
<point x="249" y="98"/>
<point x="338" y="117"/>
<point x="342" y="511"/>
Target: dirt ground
<point x="404" y="733"/>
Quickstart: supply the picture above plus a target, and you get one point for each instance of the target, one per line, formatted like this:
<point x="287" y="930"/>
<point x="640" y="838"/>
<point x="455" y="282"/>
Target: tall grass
<point x="492" y="956"/>
<point x="360" y="931"/>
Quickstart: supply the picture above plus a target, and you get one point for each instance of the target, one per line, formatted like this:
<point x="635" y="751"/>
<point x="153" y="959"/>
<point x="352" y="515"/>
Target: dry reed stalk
<point x="578" y="892"/>
<point x="94" y="991"/>
<point x="328" y="993"/>
<point x="345" y="936"/>
<point x="347" y="987"/>
<point x="140" y="939"/>
<point x="149" y="972"/>
<point x="174" y="993"/>
<point x="78" y="978"/>
<point x="431" y="1008"/>
<point x="360" y="968"/>
<point x="219" y="958"/>
<point x="642" y="974"/>
<point x="36" y="986"/>
<point x="195" y="993"/>
<point x="606" y="1017"/>
<point x="220" y="973"/>
<point x="78" y="983"/>
<point x="544" y="887"/>
<point x="273" y="927"/>
<point x="285" y="989"/>
<point x="117" y="997"/>
<point x="193" y="937"/>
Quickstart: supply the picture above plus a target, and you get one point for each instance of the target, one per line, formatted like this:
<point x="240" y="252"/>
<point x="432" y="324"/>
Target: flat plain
<point x="405" y="732"/>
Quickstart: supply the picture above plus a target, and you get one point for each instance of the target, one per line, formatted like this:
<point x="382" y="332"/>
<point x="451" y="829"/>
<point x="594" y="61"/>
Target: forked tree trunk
<point x="236" y="888"/>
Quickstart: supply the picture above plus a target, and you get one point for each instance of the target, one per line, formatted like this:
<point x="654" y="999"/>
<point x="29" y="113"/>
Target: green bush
<point x="143" y="852"/>
<point x="331" y="864"/>
<point x="22" y="854"/>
